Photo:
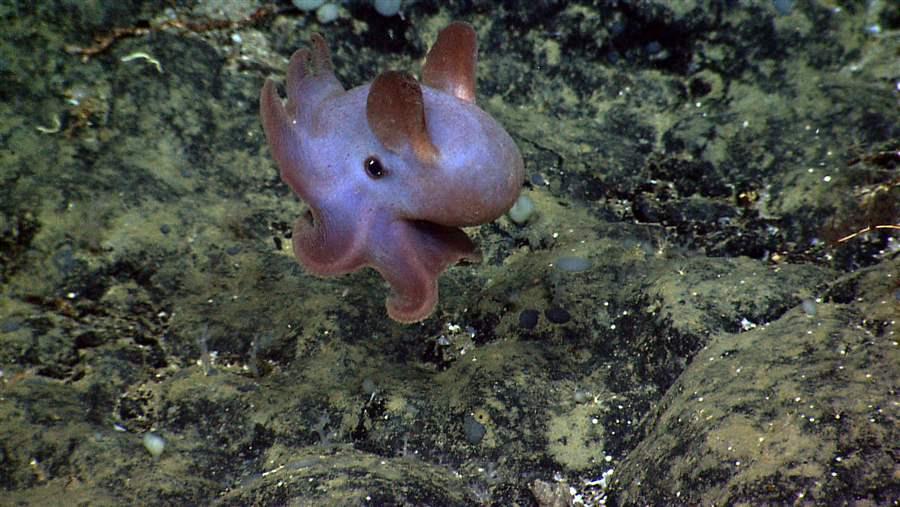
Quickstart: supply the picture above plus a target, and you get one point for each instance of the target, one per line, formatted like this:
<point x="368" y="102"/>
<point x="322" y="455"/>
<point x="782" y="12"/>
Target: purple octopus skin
<point x="392" y="169"/>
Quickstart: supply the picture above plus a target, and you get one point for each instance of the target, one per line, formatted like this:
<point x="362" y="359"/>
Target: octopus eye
<point x="374" y="168"/>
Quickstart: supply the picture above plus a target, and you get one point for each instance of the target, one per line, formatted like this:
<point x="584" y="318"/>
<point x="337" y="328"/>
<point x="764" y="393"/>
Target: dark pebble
<point x="88" y="339"/>
<point x="783" y="7"/>
<point x="558" y="315"/>
<point x="473" y="429"/>
<point x="164" y="228"/>
<point x="528" y="319"/>
<point x="64" y="260"/>
<point x="10" y="325"/>
<point x="538" y="180"/>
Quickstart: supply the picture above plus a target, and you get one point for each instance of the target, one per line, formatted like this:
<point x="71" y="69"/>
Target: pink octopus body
<point x="392" y="169"/>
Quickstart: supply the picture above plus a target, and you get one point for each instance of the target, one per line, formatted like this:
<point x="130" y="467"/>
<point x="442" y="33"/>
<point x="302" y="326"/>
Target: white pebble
<point x="327" y="13"/>
<point x="572" y="264"/>
<point x="387" y="7"/>
<point x="154" y="444"/>
<point x="809" y="307"/>
<point x="308" y="5"/>
<point x="522" y="210"/>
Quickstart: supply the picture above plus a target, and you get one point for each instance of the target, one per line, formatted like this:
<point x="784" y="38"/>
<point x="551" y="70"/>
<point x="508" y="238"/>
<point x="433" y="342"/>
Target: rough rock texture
<point x="731" y="342"/>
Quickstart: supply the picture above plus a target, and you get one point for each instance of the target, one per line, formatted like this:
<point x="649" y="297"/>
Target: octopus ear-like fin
<point x="395" y="111"/>
<point x="450" y="64"/>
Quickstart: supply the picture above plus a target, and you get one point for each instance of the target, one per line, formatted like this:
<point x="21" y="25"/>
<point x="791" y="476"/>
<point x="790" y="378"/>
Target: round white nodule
<point x="154" y="444"/>
<point x="387" y="7"/>
<point x="308" y="5"/>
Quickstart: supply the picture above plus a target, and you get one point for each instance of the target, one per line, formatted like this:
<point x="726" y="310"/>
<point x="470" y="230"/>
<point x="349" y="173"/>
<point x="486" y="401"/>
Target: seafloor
<point x="732" y="340"/>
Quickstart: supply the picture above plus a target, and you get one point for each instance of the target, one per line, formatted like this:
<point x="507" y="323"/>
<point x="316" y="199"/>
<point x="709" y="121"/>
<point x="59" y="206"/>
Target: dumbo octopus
<point x="392" y="169"/>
